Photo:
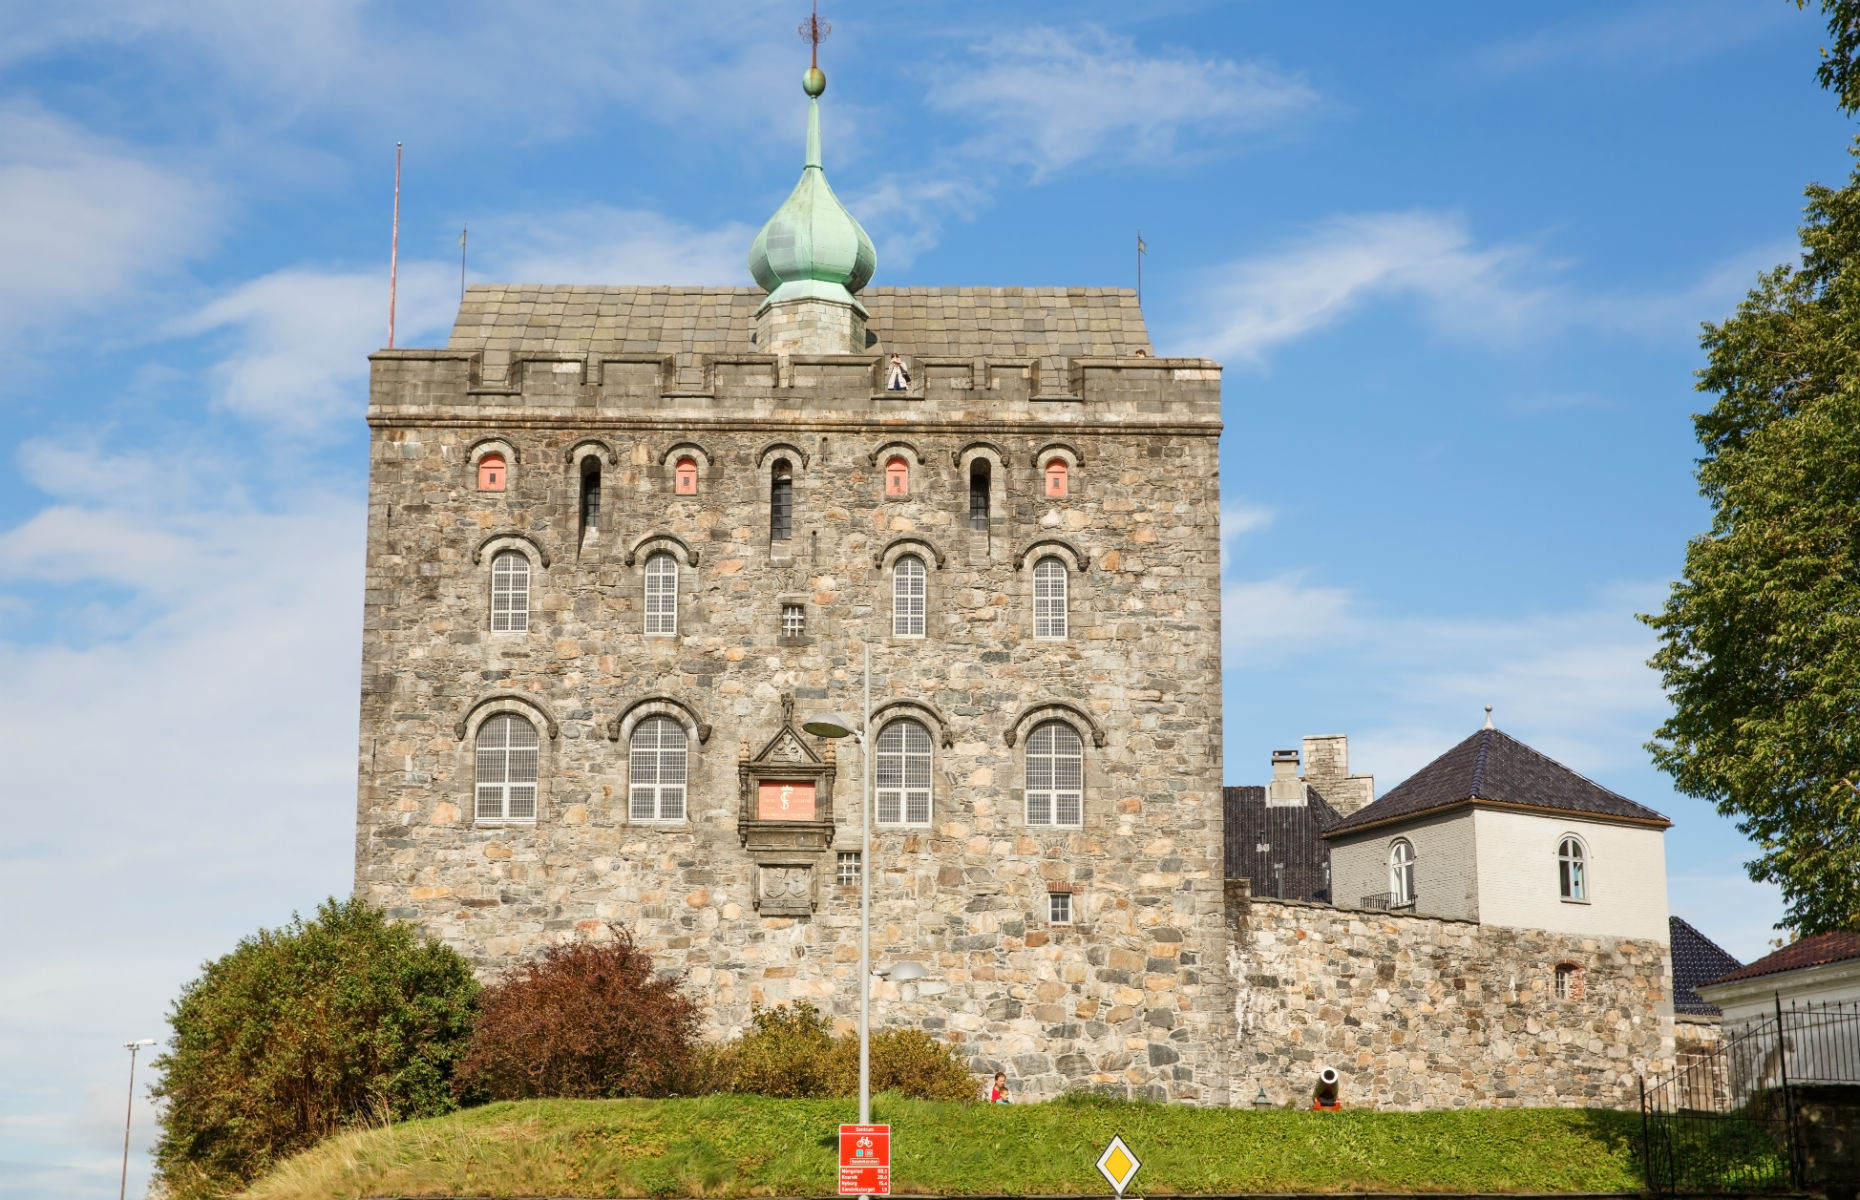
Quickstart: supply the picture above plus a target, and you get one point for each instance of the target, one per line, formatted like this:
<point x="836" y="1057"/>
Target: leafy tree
<point x="1840" y="67"/>
<point x="587" y="1021"/>
<point x="790" y="1051"/>
<point x="1760" y="638"/>
<point x="300" y="1032"/>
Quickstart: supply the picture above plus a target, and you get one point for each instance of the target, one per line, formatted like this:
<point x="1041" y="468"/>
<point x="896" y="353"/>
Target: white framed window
<point x="1049" y="599"/>
<point x="1059" y="908"/>
<point x="1055" y="775"/>
<point x="907" y="597"/>
<point x="903" y="776"/>
<point x="662" y="594"/>
<point x="507" y="752"/>
<point x="510" y="592"/>
<point x="1572" y="870"/>
<point x="847" y="869"/>
<point x="793" y="620"/>
<point x="1401" y="872"/>
<point x="656" y="770"/>
<point x="1568" y="979"/>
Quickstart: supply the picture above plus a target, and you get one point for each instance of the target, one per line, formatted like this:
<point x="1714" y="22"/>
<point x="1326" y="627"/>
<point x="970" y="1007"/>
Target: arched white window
<point x="903" y="774"/>
<point x="506" y="773"/>
<point x="1572" y="870"/>
<point x="661" y="594"/>
<point x="1049" y="599"/>
<point x="907" y="597"/>
<point x="656" y="770"/>
<point x="510" y="593"/>
<point x="1401" y="872"/>
<point x="1055" y="775"/>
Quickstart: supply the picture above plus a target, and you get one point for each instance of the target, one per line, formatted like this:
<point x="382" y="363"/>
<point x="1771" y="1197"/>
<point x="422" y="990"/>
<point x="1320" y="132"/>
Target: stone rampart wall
<point x="1419" y="1013"/>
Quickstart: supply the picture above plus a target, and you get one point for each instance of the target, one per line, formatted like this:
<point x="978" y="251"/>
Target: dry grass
<point x="731" y="1146"/>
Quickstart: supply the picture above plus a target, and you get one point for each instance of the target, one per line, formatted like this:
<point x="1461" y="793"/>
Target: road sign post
<point x="865" y="1160"/>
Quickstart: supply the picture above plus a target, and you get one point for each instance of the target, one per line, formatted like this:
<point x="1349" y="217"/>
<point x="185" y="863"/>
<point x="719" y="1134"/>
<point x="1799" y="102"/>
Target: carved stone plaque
<point x="785" y="889"/>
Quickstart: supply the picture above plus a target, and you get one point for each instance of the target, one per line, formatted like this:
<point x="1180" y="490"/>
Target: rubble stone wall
<point x="1420" y="1013"/>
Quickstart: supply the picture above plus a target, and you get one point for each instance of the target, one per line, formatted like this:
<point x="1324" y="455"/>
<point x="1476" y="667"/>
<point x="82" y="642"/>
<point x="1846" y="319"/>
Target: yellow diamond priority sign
<point x="1118" y="1164"/>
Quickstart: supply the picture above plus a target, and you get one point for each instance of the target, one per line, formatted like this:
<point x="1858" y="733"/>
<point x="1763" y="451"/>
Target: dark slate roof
<point x="504" y="319"/>
<point x="1819" y="950"/>
<point x="1296" y="863"/>
<point x="1696" y="959"/>
<point x="1495" y="768"/>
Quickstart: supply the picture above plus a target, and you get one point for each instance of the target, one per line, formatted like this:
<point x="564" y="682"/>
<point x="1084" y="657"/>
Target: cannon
<point x="1324" y="1097"/>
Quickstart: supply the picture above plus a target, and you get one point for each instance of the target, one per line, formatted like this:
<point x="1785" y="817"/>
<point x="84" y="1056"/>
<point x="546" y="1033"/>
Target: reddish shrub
<point x="587" y="1021"/>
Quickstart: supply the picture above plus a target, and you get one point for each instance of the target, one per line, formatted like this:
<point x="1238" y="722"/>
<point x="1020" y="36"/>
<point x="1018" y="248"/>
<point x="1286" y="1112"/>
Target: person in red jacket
<point x="998" y="1094"/>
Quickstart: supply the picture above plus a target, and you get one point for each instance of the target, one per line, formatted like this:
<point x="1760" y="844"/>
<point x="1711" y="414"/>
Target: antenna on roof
<point x="394" y="248"/>
<point x="463" y="229"/>
<point x="1488" y="716"/>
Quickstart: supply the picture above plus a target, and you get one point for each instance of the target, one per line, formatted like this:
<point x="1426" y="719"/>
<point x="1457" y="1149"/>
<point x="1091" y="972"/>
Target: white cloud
<point x="1266" y="620"/>
<point x="1048" y="98"/>
<point x="83" y="220"/>
<point x="1237" y="520"/>
<point x="1258" y="303"/>
<point x="1638" y="37"/>
<point x="603" y="245"/>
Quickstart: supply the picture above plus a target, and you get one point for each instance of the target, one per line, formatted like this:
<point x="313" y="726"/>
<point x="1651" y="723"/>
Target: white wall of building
<point x="1518" y="883"/>
<point x="1748" y="999"/>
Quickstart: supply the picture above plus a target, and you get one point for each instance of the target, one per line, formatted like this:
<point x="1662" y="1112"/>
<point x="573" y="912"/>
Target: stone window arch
<point x="1051" y="585"/>
<point x="981" y="492"/>
<point x="781" y="501"/>
<point x="1055" y="779"/>
<point x="508" y="755"/>
<point x="1572" y="869"/>
<point x="510" y="592"/>
<point x="909" y="596"/>
<point x="902" y="773"/>
<point x="685" y="475"/>
<point x="589" y="498"/>
<point x="1058" y="464"/>
<point x="1401" y="873"/>
<point x="685" y="466"/>
<point x="491" y="460"/>
<point x="897" y="477"/>
<point x="661" y="594"/>
<point x="657" y="770"/>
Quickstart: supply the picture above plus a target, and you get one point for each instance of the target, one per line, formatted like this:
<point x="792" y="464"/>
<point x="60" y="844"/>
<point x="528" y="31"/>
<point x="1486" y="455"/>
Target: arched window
<point x="1057" y="484"/>
<point x="656" y="770"/>
<point x="897" y="476"/>
<point x="1049" y="599"/>
<point x="903" y="774"/>
<point x="506" y="774"/>
<point x="492" y="477"/>
<point x="590" y="495"/>
<point x="979" y="480"/>
<point x="1055" y="775"/>
<point x="661" y="593"/>
<point x="1572" y="870"/>
<point x="684" y="476"/>
<point x="1401" y="872"/>
<point x="1568" y="981"/>
<point x="781" y="501"/>
<point x="907" y="597"/>
<point x="510" y="593"/>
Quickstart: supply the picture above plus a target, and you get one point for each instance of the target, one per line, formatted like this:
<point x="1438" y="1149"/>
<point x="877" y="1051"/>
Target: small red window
<point x="684" y="477"/>
<point x="1056" y="477"/>
<point x="897" y="478"/>
<point x="492" y="476"/>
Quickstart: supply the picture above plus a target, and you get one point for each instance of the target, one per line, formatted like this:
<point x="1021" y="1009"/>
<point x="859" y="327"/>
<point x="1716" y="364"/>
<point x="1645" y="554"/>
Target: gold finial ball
<point x="814" y="82"/>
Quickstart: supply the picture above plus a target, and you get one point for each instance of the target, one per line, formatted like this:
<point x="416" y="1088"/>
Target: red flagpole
<point x="394" y="250"/>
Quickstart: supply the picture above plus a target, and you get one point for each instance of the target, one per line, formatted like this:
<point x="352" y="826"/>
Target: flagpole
<point x="463" y="230"/>
<point x="1139" y="268"/>
<point x="394" y="249"/>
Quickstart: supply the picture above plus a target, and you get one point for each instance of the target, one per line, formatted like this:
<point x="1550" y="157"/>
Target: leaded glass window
<point x="662" y="594"/>
<point x="1055" y="775"/>
<point x="902" y="768"/>
<point x="656" y="770"/>
<point x="907" y="597"/>
<point x="506" y="770"/>
<point x="510" y="593"/>
<point x="1049" y="599"/>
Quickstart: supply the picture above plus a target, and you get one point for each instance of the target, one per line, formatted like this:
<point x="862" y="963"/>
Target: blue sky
<point x="1454" y="258"/>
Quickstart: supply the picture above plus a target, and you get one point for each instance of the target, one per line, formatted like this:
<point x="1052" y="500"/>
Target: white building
<point x="1823" y="969"/>
<point x="1495" y="832"/>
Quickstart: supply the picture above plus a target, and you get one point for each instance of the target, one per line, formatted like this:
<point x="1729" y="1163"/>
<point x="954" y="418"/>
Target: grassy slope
<point x="748" y="1145"/>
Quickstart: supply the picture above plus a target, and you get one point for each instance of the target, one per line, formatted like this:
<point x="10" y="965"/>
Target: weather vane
<point x="812" y="30"/>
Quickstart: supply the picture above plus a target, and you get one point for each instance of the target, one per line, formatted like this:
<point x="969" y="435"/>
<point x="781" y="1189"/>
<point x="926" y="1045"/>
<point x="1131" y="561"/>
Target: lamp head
<point x="829" y="725"/>
<point x="138" y="1042"/>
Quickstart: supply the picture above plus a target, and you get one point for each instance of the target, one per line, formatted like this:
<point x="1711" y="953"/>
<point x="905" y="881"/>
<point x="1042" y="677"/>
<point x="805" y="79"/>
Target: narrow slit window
<point x="1049" y="599"/>
<point x="492" y="474"/>
<point x="507" y="750"/>
<point x="897" y="476"/>
<point x="979" y="480"/>
<point x="590" y="496"/>
<point x="907" y="597"/>
<point x="1057" y="484"/>
<point x="781" y="502"/>
<point x="656" y="757"/>
<point x="662" y="594"/>
<point x="510" y="593"/>
<point x="1055" y="775"/>
<point x="902" y="770"/>
<point x="685" y="477"/>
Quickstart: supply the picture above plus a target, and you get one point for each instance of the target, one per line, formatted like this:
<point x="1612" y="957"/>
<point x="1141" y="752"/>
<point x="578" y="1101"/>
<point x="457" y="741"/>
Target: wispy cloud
<point x="1237" y="520"/>
<point x="604" y="245"/>
<point x="1637" y="37"/>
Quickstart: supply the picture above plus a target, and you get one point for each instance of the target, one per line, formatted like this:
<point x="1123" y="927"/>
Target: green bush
<point x="301" y="1032"/>
<point x="590" y="1021"/>
<point x="790" y="1052"/>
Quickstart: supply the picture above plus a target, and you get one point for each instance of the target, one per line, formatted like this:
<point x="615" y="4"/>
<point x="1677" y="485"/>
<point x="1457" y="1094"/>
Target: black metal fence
<point x="1732" y="1121"/>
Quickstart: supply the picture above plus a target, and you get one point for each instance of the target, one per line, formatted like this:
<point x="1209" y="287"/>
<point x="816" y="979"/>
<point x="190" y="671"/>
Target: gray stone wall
<point x="1446" y="867"/>
<point x="1419" y="1013"/>
<point x="1134" y="997"/>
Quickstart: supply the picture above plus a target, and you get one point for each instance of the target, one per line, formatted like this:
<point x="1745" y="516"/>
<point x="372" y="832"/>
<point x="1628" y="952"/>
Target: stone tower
<point x="622" y="540"/>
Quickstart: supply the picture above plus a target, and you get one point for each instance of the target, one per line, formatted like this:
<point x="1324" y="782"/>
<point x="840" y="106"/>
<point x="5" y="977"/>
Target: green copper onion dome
<point x="812" y="248"/>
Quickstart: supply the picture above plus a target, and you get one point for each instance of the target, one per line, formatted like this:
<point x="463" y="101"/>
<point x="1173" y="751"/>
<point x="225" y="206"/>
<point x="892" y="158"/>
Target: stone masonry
<point x="1419" y="1013"/>
<point x="618" y="384"/>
